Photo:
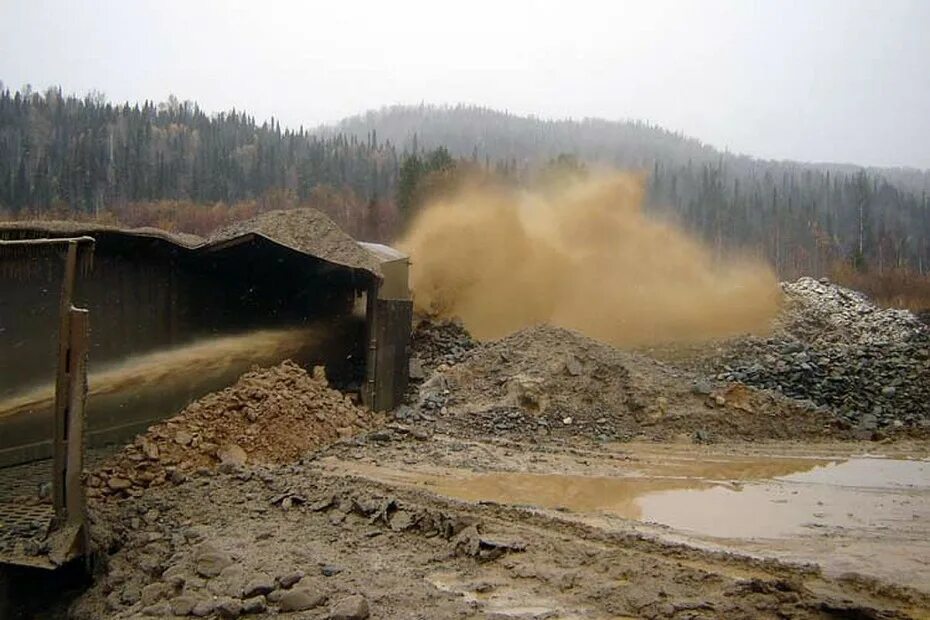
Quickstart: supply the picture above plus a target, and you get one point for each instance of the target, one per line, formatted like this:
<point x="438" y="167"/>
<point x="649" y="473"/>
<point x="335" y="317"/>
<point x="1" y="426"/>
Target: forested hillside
<point x="83" y="156"/>
<point x="802" y="217"/>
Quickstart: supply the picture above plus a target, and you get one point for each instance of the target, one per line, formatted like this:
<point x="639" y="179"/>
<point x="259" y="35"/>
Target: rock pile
<point x="835" y="348"/>
<point x="537" y="378"/>
<point x="821" y="313"/>
<point x="271" y="415"/>
<point x="434" y="343"/>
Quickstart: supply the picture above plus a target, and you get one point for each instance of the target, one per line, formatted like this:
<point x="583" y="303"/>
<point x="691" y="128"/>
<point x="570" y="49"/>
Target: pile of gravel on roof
<point x="832" y="346"/>
<point x="305" y="230"/>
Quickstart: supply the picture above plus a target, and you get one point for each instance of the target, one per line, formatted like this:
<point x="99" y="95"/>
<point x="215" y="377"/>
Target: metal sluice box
<point x="42" y="504"/>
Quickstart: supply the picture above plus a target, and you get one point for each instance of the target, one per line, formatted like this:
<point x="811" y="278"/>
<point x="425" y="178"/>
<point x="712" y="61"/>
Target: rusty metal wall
<point x="393" y="322"/>
<point x="145" y="294"/>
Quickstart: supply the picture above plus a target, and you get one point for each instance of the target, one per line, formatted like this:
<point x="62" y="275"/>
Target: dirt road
<point x="443" y="527"/>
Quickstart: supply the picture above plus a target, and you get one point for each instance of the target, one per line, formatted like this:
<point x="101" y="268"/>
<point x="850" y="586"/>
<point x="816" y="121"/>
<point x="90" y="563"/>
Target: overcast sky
<point x="816" y="80"/>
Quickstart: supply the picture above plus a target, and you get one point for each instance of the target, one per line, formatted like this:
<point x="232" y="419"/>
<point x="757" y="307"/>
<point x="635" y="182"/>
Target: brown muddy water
<point x="853" y="492"/>
<point x="862" y="514"/>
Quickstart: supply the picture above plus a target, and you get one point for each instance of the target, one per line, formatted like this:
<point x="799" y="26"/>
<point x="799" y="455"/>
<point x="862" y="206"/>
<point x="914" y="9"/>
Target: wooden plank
<point x="77" y="398"/>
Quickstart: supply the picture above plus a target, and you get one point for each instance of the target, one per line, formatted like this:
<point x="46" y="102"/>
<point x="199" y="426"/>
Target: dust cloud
<point x="585" y="257"/>
<point x="197" y="362"/>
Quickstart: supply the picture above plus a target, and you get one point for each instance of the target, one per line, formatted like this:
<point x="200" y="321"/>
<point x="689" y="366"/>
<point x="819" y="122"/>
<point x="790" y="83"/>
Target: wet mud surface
<point x="847" y="513"/>
<point x="441" y="527"/>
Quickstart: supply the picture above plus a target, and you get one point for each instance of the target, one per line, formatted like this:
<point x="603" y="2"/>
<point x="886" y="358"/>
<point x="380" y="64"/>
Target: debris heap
<point x="539" y="377"/>
<point x="434" y="343"/>
<point x="271" y="415"/>
<point x="832" y="346"/>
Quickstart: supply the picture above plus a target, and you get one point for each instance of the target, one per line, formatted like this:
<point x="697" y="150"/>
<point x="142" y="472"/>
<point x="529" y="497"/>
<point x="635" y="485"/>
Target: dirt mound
<point x="271" y="415"/>
<point x="545" y="380"/>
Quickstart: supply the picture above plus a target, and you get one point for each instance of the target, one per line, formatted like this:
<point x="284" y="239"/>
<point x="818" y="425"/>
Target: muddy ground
<point x="544" y="475"/>
<point x="441" y="527"/>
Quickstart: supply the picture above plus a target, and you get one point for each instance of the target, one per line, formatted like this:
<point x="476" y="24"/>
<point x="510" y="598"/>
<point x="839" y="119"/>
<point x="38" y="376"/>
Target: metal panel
<point x="392" y="325"/>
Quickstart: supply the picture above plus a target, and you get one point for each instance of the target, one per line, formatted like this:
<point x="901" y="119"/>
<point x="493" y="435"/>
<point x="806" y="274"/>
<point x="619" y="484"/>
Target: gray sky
<point x="816" y="80"/>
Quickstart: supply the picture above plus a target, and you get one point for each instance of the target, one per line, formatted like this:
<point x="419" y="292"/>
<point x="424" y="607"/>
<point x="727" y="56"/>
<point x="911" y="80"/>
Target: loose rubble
<point x="551" y="382"/>
<point x="270" y="415"/>
<point x="831" y="346"/>
<point x="437" y="343"/>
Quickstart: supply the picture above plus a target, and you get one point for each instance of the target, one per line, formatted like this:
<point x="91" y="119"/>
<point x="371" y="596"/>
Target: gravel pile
<point x="821" y="313"/>
<point x="271" y="415"/>
<point x="437" y="343"/>
<point x="833" y="347"/>
<point x="549" y="382"/>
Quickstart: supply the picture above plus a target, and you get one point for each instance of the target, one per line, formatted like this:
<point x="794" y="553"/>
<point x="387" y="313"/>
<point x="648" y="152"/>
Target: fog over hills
<point x="500" y="135"/>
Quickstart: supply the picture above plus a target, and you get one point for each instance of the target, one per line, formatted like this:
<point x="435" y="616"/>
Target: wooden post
<point x="60" y="429"/>
<point x="77" y="397"/>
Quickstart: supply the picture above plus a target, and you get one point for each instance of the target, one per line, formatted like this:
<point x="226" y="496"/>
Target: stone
<point x="182" y="605"/>
<point x="289" y="579"/>
<point x="118" y="484"/>
<point x="573" y="366"/>
<point x="232" y="454"/>
<point x="212" y="563"/>
<point x="183" y="438"/>
<point x="229" y="607"/>
<point x="113" y="602"/>
<point x="402" y="520"/>
<point x="300" y="599"/>
<point x="416" y="371"/>
<point x="258" y="585"/>
<point x="701" y="436"/>
<point x="329" y="570"/>
<point x="350" y="608"/>
<point x="254" y="605"/>
<point x="153" y="593"/>
<point x="158" y="610"/>
<point x="702" y="388"/>
<point x="203" y="607"/>
<point x="130" y="595"/>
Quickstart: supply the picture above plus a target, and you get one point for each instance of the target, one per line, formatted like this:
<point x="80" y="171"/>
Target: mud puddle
<point x="864" y="514"/>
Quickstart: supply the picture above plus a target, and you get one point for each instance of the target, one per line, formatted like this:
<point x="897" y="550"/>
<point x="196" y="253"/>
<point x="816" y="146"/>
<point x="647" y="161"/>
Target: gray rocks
<point x="350" y="608"/>
<point x="437" y="343"/>
<point x="416" y="371"/>
<point x="836" y="349"/>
